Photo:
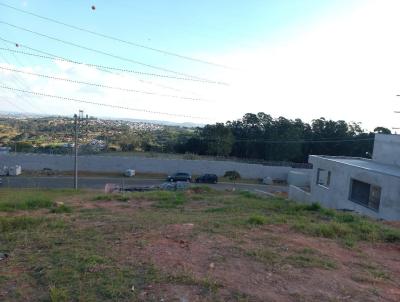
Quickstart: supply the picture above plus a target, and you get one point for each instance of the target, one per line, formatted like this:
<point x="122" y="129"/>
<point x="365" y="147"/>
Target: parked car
<point x="207" y="178"/>
<point x="180" y="176"/>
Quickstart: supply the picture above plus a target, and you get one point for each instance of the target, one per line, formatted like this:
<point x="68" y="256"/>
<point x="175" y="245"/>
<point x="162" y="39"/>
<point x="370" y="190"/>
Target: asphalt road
<point x="62" y="182"/>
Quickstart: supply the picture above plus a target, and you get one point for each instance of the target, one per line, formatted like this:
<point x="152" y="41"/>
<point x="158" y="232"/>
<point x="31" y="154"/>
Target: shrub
<point x="61" y="209"/>
<point x="391" y="235"/>
<point x="313" y="207"/>
<point x="256" y="220"/>
<point x="58" y="294"/>
<point x="232" y="175"/>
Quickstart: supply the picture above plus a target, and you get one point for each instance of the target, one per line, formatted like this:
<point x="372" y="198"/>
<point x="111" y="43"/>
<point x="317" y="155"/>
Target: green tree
<point x="382" y="130"/>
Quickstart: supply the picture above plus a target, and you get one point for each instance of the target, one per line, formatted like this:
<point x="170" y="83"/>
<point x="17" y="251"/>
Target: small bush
<point x="111" y="197"/>
<point x="250" y="195"/>
<point x="391" y="235"/>
<point x="61" y="209"/>
<point x="315" y="207"/>
<point x="232" y="175"/>
<point x="123" y="198"/>
<point x="103" y="197"/>
<point x="256" y="220"/>
<point x="58" y="294"/>
<point x="346" y="218"/>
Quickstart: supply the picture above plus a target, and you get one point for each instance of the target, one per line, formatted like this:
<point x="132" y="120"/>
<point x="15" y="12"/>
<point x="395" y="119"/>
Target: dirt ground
<point x="266" y="262"/>
<point x="177" y="250"/>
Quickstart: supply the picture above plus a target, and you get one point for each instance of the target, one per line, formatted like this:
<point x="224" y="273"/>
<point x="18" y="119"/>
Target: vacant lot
<point x="198" y="245"/>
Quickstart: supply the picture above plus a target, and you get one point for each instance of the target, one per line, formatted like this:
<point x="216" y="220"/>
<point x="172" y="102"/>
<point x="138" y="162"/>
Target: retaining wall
<point x="96" y="163"/>
<point x="299" y="195"/>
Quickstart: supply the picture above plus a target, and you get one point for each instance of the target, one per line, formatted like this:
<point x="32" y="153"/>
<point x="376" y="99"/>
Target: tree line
<point x="259" y="136"/>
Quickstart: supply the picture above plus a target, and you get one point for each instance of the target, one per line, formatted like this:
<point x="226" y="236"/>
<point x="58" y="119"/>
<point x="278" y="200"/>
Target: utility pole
<point x="77" y="120"/>
<point x="76" y="152"/>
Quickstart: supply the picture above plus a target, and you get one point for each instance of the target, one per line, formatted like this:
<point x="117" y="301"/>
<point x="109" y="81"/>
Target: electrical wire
<point x="99" y="104"/>
<point x="165" y="52"/>
<point x="110" y="54"/>
<point x="166" y="87"/>
<point x="100" y="85"/>
<point x="17" y="82"/>
<point x="109" y="67"/>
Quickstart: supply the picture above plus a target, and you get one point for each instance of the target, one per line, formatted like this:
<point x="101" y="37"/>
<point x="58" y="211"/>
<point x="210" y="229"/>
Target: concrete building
<point x="367" y="186"/>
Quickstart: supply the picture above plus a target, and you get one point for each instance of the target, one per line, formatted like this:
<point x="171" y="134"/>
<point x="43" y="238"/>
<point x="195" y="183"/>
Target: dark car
<point x="180" y="176"/>
<point x="208" y="178"/>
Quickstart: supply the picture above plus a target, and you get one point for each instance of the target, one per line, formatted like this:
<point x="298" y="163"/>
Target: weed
<point x="265" y="256"/>
<point x="256" y="220"/>
<point x="201" y="189"/>
<point x="171" y="200"/>
<point x="250" y="195"/>
<point x="29" y="199"/>
<point x="61" y="209"/>
<point x="310" y="258"/>
<point x="58" y="294"/>
<point x="390" y="235"/>
<point x="315" y="207"/>
<point x="103" y="197"/>
<point x="8" y="224"/>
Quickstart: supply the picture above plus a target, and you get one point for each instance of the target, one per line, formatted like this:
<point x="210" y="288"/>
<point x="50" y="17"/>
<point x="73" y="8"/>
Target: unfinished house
<point x="367" y="186"/>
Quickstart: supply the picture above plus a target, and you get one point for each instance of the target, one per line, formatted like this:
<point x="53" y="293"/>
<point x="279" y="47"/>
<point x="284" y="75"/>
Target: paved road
<point x="99" y="183"/>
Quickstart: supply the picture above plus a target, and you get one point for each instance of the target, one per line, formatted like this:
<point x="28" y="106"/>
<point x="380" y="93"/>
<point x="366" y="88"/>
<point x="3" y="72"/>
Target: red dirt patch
<point x="177" y="250"/>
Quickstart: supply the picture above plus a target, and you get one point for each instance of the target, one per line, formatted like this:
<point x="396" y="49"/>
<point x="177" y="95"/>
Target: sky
<point x="307" y="59"/>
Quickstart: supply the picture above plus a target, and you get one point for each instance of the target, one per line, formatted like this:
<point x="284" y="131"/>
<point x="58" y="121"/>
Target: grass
<point x="78" y="257"/>
<point x="310" y="258"/>
<point x="256" y="220"/>
<point x="9" y="224"/>
<point x="61" y="209"/>
<point x="111" y="197"/>
<point x="30" y="199"/>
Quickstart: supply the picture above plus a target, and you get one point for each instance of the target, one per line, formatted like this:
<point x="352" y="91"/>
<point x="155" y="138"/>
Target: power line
<point x="111" y="55"/>
<point x="99" y="104"/>
<point x="165" y="52"/>
<point x="98" y="68"/>
<point x="100" y="85"/>
<point x="109" y="68"/>
<point x="20" y="84"/>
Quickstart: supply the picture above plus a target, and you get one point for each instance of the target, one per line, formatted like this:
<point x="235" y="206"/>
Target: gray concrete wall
<point x="96" y="163"/>
<point x="299" y="195"/>
<point x="299" y="179"/>
<point x="338" y="193"/>
<point x="387" y="149"/>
